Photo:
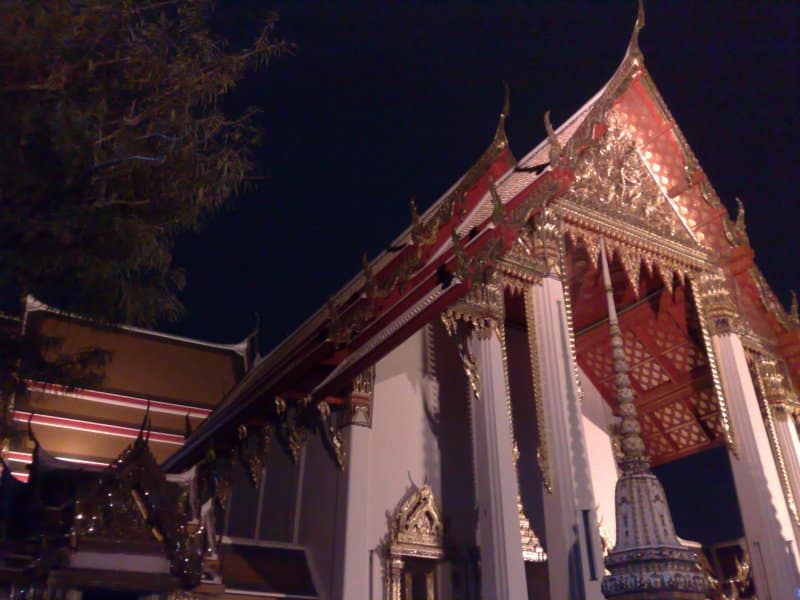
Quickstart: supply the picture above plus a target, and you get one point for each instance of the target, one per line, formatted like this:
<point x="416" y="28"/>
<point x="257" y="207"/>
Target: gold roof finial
<point x="498" y="213"/>
<point x="555" y="145"/>
<point x="370" y="289"/>
<point x="740" y="225"/>
<point x="500" y="138"/>
<point x="633" y="46"/>
<point x="793" y="312"/>
<point x="412" y="203"/>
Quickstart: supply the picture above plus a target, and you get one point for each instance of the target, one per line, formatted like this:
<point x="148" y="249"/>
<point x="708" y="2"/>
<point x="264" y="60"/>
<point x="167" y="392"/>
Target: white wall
<point x="321" y="510"/>
<point x="403" y="447"/>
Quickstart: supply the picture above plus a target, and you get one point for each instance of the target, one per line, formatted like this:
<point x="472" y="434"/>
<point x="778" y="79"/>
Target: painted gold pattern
<point x="516" y="269"/>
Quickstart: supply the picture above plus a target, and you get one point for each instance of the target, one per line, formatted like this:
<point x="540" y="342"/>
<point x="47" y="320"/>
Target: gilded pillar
<point x="573" y="542"/>
<point x="499" y="539"/>
<point x="356" y="556"/>
<point x="770" y="538"/>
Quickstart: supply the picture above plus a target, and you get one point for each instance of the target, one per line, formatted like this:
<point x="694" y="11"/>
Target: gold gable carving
<point x="416" y="528"/>
<point x="612" y="178"/>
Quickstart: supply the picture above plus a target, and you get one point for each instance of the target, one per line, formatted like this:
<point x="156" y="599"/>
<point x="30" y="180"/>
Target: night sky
<point x="385" y="101"/>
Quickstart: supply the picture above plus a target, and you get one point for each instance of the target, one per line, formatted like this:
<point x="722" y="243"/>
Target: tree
<point x="113" y="142"/>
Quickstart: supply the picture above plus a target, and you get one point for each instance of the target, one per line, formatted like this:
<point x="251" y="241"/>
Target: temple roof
<point x="448" y="247"/>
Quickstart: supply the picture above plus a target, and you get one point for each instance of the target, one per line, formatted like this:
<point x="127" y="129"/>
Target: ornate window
<point x="414" y="549"/>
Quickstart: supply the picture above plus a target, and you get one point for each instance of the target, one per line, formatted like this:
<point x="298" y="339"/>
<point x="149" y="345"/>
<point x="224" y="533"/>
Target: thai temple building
<point x="515" y="400"/>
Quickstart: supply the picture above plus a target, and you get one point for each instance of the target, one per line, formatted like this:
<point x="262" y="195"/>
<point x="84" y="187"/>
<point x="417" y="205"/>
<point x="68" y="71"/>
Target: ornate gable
<point x="612" y="178"/>
<point x="134" y="501"/>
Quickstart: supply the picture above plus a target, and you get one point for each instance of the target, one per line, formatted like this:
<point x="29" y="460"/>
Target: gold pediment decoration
<point x="416" y="527"/>
<point x="612" y="178"/>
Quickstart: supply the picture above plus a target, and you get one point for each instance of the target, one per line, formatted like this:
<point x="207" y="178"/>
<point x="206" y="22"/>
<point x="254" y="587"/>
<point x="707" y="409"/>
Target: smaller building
<point x="179" y="380"/>
<point x="85" y="508"/>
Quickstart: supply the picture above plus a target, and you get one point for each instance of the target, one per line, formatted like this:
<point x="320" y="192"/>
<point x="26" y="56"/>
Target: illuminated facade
<point x="480" y="412"/>
<point x="479" y="368"/>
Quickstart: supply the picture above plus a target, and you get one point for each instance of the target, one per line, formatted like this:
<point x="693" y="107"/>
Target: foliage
<point x="113" y="143"/>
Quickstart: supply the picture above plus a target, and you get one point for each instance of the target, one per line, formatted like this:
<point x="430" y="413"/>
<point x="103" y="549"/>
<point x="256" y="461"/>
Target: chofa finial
<point x="633" y="46"/>
<point x="740" y="225"/>
<point x="500" y="138"/>
<point x="555" y="145"/>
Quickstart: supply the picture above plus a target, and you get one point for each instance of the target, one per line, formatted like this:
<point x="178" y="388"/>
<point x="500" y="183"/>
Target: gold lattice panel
<point x="687" y="436"/>
<point x="672" y="415"/>
<point x="635" y="352"/>
<point x="713" y="424"/>
<point x="658" y="445"/>
<point x="598" y="361"/>
<point x="649" y="427"/>
<point x="648" y="375"/>
<point x="686" y="358"/>
<point x="704" y="402"/>
<point x="665" y="333"/>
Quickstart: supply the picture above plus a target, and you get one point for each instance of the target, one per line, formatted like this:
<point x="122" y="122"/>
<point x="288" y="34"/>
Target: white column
<point x="502" y="568"/>
<point x="597" y="420"/>
<point x="356" y="565"/>
<point x="768" y="529"/>
<point x="575" y="561"/>
<point x="789" y="442"/>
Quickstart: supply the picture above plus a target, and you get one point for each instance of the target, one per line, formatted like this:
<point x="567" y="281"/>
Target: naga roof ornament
<point x="633" y="46"/>
<point x="555" y="145"/>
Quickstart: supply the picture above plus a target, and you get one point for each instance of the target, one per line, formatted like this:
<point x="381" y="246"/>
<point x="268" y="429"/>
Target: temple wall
<point x="321" y="509"/>
<point x="403" y="447"/>
<point x="266" y="512"/>
<point x="457" y="498"/>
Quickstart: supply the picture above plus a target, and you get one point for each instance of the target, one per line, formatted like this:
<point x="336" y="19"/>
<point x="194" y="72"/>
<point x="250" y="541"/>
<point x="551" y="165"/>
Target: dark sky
<point x="385" y="101"/>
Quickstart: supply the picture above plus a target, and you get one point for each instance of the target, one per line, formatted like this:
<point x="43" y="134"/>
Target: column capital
<point x="482" y="308"/>
<point x="716" y="299"/>
<point x="535" y="254"/>
<point x="776" y="390"/>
